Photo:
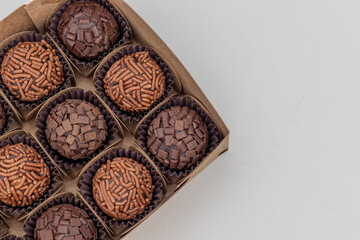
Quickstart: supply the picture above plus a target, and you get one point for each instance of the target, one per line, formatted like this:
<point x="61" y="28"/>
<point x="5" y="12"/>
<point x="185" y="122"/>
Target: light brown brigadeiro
<point x="135" y="82"/>
<point x="24" y="175"/>
<point x="87" y="29"/>
<point x="65" y="222"/>
<point x="178" y="137"/>
<point x="32" y="70"/>
<point x="123" y="188"/>
<point x="76" y="128"/>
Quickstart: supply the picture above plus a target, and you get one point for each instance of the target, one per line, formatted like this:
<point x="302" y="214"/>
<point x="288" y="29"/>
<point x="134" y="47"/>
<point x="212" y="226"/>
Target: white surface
<point x="285" y="77"/>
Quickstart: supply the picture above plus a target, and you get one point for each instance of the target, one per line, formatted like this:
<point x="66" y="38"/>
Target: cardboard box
<point x="36" y="16"/>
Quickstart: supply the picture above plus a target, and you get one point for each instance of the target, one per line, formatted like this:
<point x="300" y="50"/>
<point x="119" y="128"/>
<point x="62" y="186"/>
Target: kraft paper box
<point x="36" y="16"/>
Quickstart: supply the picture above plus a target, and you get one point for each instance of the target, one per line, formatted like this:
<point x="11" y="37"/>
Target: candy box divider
<point x="7" y="220"/>
<point x="125" y="128"/>
<point x="4" y="228"/>
<point x="73" y="66"/>
<point x="15" y="229"/>
<point x="167" y="181"/>
<point x="106" y="228"/>
<point x="16" y="124"/>
<point x="34" y="15"/>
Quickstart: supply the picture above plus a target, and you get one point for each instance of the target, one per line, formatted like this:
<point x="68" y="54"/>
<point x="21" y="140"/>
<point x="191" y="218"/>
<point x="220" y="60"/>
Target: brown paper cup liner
<point x="123" y="38"/>
<point x="101" y="73"/>
<point x="9" y="120"/>
<point x="2" y="228"/>
<point x="41" y="125"/>
<point x="86" y="186"/>
<point x="30" y="224"/>
<point x="54" y="175"/>
<point x="11" y="238"/>
<point x="214" y="135"/>
<point x="35" y="37"/>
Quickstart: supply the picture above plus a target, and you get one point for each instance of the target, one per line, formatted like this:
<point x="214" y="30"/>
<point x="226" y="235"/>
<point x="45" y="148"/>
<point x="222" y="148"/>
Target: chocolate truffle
<point x="123" y="188"/>
<point x="2" y="117"/>
<point x="178" y="137"/>
<point x="24" y="175"/>
<point x="87" y="29"/>
<point x="76" y="128"/>
<point x="32" y="70"/>
<point x="135" y="82"/>
<point x="65" y="221"/>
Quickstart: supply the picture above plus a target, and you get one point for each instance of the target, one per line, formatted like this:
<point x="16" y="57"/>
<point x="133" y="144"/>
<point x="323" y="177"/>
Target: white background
<point x="285" y="77"/>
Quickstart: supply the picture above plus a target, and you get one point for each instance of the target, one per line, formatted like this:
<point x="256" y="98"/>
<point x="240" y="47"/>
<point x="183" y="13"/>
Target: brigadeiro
<point x="2" y="117"/>
<point x="123" y="188"/>
<point x="87" y="29"/>
<point x="24" y="175"/>
<point x="178" y="137"/>
<point x="32" y="70"/>
<point x="76" y="128"/>
<point x="135" y="82"/>
<point x="65" y="221"/>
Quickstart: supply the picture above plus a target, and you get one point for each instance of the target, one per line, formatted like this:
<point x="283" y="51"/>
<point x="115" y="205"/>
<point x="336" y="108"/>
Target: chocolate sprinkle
<point x="32" y="70"/>
<point x="135" y="82"/>
<point x="87" y="29"/>
<point x="76" y="128"/>
<point x="123" y="188"/>
<point x="65" y="222"/>
<point x="24" y="175"/>
<point x="178" y="137"/>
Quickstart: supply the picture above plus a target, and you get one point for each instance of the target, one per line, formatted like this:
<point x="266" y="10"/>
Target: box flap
<point x="38" y="11"/>
<point x="17" y="21"/>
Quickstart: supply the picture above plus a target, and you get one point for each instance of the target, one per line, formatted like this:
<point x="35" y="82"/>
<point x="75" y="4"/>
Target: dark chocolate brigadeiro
<point x="32" y="70"/>
<point x="76" y="128"/>
<point x="87" y="29"/>
<point x="123" y="188"/>
<point x="2" y="117"/>
<point x="178" y="137"/>
<point x="65" y="222"/>
<point x="135" y="82"/>
<point x="24" y="175"/>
